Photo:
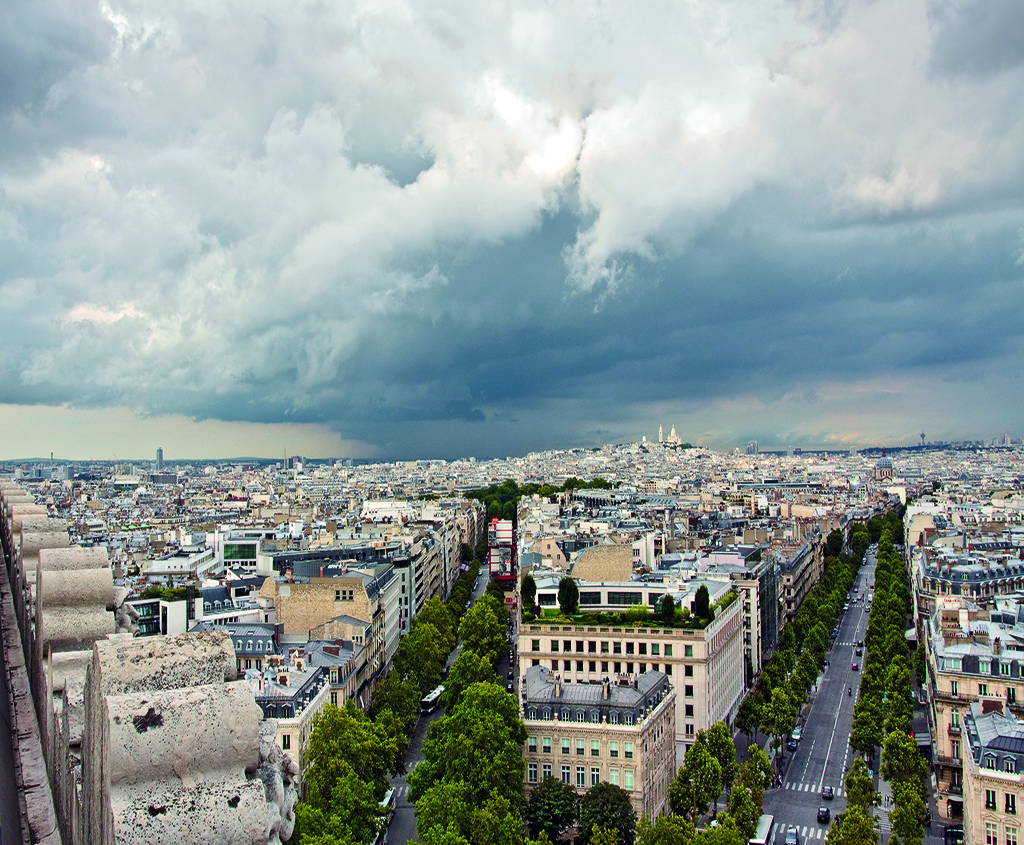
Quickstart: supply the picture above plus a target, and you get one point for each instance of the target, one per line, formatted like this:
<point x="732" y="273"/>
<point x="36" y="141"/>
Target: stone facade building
<point x="586" y="734"/>
<point x="973" y="656"/>
<point x="993" y="758"/>
<point x="706" y="666"/>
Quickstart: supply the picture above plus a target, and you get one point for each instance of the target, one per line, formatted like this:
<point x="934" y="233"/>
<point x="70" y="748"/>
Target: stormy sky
<point x="408" y="229"/>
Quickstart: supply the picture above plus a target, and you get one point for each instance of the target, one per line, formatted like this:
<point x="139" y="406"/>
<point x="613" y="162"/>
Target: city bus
<point x="430" y="701"/>
<point x="765" y="832"/>
<point x="387" y="804"/>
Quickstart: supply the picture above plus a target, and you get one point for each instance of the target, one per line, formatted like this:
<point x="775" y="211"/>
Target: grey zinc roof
<point x="541" y="690"/>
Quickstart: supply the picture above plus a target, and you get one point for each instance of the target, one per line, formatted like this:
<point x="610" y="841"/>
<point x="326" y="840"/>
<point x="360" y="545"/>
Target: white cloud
<point x="269" y="208"/>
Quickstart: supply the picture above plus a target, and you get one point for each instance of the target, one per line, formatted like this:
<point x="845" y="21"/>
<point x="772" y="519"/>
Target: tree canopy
<point x="607" y="807"/>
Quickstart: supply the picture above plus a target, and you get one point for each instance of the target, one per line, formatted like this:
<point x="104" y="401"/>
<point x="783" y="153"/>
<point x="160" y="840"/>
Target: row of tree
<point x="790" y="673"/>
<point x="666" y="614"/>
<point x="352" y="753"/>
<point x="502" y="499"/>
<point x="884" y="713"/>
<point x="469" y="787"/>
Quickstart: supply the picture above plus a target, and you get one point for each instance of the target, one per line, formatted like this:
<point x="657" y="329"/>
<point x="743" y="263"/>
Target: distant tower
<point x="160" y="459"/>
<point x="661" y="434"/>
<point x="922" y="439"/>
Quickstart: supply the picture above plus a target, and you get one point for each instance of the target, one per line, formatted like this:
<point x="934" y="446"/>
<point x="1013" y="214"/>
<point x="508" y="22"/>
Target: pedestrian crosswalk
<point x="807" y="833"/>
<point x="809" y="787"/>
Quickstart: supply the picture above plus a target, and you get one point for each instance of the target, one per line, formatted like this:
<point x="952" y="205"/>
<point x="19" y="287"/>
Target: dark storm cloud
<point x="978" y="38"/>
<point x="457" y="230"/>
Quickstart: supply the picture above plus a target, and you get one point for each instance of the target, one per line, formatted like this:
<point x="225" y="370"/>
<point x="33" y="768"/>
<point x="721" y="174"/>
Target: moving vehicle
<point x="859" y="652"/>
<point x="429" y="702"/>
<point x="855" y="667"/>
<point x="764" y="834"/>
<point x="828" y="793"/>
<point x="824" y="815"/>
<point x="791" y="836"/>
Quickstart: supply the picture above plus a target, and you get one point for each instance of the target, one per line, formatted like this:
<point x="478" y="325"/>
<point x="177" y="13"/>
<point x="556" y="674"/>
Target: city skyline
<point x="398" y="232"/>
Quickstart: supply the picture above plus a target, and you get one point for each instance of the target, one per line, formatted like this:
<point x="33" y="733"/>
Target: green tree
<point x="860" y="789"/>
<point x="920" y="667"/>
<point x="420" y="657"/>
<point x="448" y="810"/>
<point x="344" y="738"/>
<point x="604" y="836"/>
<point x="667" y="609"/>
<point x="347" y="765"/>
<point x="702" y="603"/>
<point x="756" y="774"/>
<point x="901" y="760"/>
<point x="907" y="817"/>
<point x="478" y="742"/>
<point x="482" y="629"/>
<point x="352" y="815"/>
<point x="568" y="596"/>
<point x="469" y="668"/>
<point x="866" y="734"/>
<point x="665" y="830"/>
<point x="834" y="543"/>
<point x="779" y="715"/>
<point x="855" y="827"/>
<point x="744" y="808"/>
<point x="607" y="806"/>
<point x="553" y="806"/>
<point x="748" y="716"/>
<point x="435" y="613"/>
<point x="399" y="695"/>
<point x="697" y="783"/>
<point x="528" y="590"/>
<point x="721" y="746"/>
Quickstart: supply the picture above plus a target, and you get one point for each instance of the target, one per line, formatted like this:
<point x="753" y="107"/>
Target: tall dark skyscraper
<point x="159" y="459"/>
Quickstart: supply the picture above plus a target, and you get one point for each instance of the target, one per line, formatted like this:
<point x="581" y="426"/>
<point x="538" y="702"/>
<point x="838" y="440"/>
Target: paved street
<point x="824" y="753"/>
<point x="403" y="823"/>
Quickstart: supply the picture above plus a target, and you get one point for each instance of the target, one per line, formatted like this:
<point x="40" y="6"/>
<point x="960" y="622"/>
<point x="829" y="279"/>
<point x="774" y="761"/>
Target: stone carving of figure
<point x="280" y="775"/>
<point x="126" y="617"/>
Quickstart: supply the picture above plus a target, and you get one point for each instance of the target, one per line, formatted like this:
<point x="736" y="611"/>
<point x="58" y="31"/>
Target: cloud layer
<point x="486" y="228"/>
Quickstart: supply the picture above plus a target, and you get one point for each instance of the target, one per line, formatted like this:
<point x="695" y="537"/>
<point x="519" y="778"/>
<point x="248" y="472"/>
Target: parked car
<point x="509" y="686"/>
<point x="828" y="793"/>
<point x="793" y="744"/>
<point x="824" y="815"/>
<point x="797" y="732"/>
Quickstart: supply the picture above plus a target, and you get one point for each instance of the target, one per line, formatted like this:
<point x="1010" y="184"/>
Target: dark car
<point x="859" y="652"/>
<point x="824" y="815"/>
<point x="793" y="744"/>
<point x="509" y="686"/>
<point x="828" y="793"/>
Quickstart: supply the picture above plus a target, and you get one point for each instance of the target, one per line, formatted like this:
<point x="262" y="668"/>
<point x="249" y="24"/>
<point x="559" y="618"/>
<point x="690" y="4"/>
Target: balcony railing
<point x="953" y="729"/>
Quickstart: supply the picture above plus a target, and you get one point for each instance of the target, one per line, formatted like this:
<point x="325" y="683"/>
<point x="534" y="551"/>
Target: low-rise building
<point x="586" y="734"/>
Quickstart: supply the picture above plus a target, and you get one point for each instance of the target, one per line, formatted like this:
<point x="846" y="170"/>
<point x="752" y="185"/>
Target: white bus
<point x="429" y="702"/>
<point x="387" y="804"/>
<point x="765" y="832"/>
